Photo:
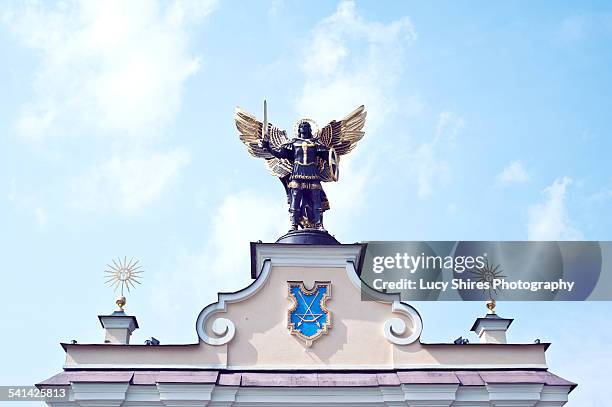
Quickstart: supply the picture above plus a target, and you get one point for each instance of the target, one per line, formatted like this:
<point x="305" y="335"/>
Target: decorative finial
<point x="123" y="274"/>
<point x="491" y="306"/>
<point x="488" y="273"/>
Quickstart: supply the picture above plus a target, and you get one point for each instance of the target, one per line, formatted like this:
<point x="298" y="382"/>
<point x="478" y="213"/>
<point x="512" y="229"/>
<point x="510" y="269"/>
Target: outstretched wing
<point x="250" y="130"/>
<point x="279" y="167"/>
<point x="344" y="134"/>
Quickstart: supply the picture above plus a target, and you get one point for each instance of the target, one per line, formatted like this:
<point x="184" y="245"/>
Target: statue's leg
<point x="308" y="205"/>
<point x="317" y="211"/>
<point x="306" y="209"/>
<point x="295" y="210"/>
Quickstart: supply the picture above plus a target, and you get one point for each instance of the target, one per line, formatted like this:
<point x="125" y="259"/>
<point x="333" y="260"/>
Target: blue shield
<point x="308" y="317"/>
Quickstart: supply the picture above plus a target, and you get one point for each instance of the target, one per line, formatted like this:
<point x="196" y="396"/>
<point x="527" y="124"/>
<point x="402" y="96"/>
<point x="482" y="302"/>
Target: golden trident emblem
<point x="123" y="274"/>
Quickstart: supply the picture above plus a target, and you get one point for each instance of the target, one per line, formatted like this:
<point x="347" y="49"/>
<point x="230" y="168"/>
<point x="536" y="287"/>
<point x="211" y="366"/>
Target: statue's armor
<point x="304" y="184"/>
<point x="305" y="174"/>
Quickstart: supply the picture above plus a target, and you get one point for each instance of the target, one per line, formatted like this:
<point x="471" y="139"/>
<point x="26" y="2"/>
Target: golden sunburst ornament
<point x="488" y="274"/>
<point x="123" y="274"/>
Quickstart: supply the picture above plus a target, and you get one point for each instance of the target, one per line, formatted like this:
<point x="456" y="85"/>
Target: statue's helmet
<point x="306" y="129"/>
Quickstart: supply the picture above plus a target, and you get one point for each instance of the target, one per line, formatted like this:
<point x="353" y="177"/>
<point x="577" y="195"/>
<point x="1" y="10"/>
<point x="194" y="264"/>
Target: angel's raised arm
<point x="277" y="157"/>
<point x="282" y="152"/>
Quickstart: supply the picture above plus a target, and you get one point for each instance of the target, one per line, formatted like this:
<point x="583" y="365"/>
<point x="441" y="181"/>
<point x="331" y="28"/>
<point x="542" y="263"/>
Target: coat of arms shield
<point x="308" y="316"/>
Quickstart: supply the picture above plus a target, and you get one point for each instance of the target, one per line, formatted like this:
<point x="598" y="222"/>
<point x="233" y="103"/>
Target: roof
<point x="309" y="379"/>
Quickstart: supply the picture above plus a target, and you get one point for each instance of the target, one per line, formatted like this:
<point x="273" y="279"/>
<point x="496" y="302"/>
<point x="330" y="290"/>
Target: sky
<point x="486" y="121"/>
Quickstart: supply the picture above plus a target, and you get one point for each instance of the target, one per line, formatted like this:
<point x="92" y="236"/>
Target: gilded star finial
<point x="123" y="274"/>
<point x="488" y="274"/>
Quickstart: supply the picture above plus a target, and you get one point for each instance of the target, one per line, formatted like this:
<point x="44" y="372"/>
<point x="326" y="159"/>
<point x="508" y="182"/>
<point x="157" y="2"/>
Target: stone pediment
<point x="250" y="329"/>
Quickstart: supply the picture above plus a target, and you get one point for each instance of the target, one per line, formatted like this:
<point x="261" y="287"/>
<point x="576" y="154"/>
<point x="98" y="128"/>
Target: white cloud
<point x="223" y="264"/>
<point x="352" y="61"/>
<point x="346" y="195"/>
<point x="426" y="162"/>
<point x="355" y="61"/>
<point x="127" y="184"/>
<point x="550" y="220"/>
<point x="116" y="67"/>
<point x="514" y="173"/>
<point x="243" y="217"/>
<point x="113" y="69"/>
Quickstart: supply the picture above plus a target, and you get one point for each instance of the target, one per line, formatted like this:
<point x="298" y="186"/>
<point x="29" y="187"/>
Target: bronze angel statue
<point x="304" y="160"/>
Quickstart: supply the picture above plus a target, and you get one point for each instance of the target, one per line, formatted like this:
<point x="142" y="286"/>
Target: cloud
<point x="550" y="220"/>
<point x="114" y="67"/>
<point x="426" y="161"/>
<point x="115" y="70"/>
<point x="127" y="184"/>
<point x="223" y="263"/>
<point x="357" y="61"/>
<point x="352" y="61"/>
<point x="514" y="173"/>
<point x="243" y="217"/>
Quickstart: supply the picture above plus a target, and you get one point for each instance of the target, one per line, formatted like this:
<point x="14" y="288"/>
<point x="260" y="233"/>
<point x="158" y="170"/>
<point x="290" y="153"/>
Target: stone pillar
<point x="491" y="328"/>
<point x="118" y="327"/>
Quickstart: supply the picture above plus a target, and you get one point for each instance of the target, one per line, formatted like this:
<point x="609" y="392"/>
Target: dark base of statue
<point x="308" y="236"/>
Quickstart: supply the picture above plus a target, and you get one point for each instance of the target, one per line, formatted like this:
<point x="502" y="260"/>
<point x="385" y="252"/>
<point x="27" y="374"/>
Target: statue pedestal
<point x="308" y="236"/>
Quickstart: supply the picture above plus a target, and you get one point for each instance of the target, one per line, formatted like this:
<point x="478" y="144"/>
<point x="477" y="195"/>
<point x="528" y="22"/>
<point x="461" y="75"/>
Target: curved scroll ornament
<point x="395" y="328"/>
<point x="224" y="329"/>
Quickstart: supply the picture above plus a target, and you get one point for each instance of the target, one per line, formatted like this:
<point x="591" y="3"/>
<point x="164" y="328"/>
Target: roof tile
<point x="427" y="377"/>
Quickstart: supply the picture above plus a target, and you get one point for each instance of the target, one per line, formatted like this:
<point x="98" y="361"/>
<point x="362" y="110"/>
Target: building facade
<point x="306" y="333"/>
